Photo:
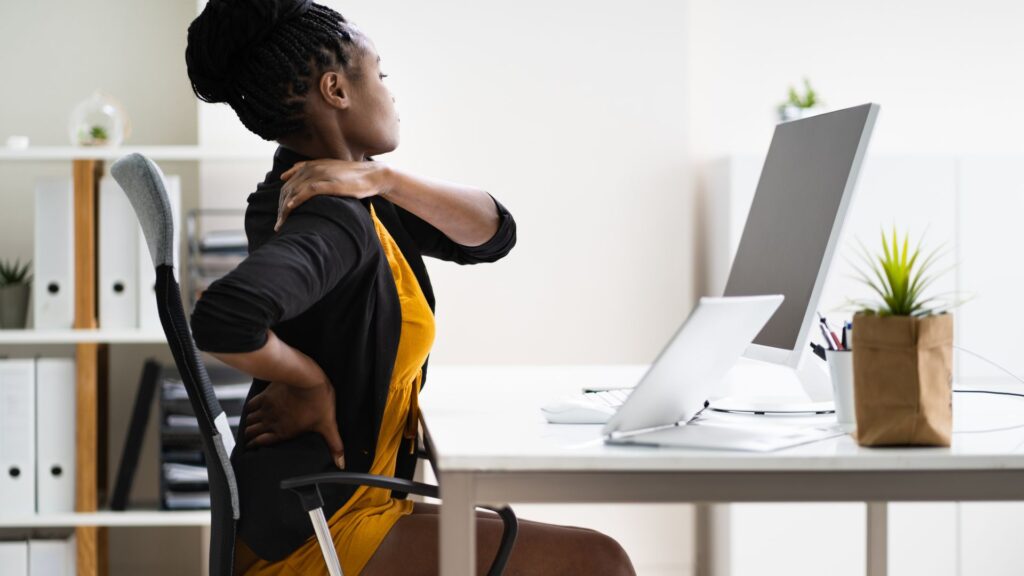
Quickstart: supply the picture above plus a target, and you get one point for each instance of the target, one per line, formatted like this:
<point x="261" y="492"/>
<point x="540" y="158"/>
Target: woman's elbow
<point x="495" y="248"/>
<point x="214" y="331"/>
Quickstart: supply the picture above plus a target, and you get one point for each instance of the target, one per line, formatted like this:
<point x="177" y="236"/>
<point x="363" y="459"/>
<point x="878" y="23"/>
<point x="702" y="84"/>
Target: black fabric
<point x="323" y="284"/>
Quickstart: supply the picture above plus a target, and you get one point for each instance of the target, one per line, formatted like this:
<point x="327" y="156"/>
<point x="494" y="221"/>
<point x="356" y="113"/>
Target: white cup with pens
<point x="839" y="356"/>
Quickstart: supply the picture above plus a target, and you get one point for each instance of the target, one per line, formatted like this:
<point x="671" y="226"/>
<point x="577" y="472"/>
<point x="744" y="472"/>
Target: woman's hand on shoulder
<point x="283" y="411"/>
<point x="331" y="177"/>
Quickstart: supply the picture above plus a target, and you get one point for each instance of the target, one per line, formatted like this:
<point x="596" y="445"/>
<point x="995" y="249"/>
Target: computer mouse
<point x="576" y="411"/>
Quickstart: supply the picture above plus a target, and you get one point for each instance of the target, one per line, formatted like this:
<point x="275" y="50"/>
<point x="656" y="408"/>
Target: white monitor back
<point x="795" y="223"/>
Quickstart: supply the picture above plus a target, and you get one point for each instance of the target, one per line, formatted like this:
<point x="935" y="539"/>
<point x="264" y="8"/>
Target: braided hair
<point x="262" y="56"/>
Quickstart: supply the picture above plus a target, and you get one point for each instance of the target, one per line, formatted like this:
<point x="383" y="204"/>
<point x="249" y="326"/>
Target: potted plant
<point x="902" y="351"/>
<point x="14" y="290"/>
<point x="99" y="120"/>
<point x="800" y="106"/>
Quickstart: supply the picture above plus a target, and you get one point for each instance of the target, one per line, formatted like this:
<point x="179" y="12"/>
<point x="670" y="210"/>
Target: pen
<point x="849" y="332"/>
<point x="829" y="332"/>
<point x="844" y="342"/>
<point x="828" y="339"/>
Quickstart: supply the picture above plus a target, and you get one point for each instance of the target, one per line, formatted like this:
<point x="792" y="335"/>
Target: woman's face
<point x="371" y="122"/>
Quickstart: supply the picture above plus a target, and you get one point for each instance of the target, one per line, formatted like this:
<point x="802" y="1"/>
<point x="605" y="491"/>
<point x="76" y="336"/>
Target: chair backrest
<point x="142" y="181"/>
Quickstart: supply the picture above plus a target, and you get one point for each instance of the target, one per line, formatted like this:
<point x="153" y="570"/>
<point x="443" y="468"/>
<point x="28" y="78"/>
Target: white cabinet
<point x="991" y="266"/>
<point x="972" y="207"/>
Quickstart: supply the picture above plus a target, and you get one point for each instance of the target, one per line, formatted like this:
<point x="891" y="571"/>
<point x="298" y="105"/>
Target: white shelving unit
<point x="171" y="153"/>
<point x="87" y="164"/>
<point x="108" y="518"/>
<point x="80" y="336"/>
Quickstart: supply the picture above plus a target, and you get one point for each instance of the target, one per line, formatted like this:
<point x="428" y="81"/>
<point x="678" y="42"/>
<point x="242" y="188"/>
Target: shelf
<point x="55" y="153"/>
<point x="69" y="336"/>
<point x="110" y="518"/>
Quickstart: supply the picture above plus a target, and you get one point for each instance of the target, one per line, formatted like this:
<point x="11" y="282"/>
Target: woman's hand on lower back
<point x="330" y="177"/>
<point x="283" y="411"/>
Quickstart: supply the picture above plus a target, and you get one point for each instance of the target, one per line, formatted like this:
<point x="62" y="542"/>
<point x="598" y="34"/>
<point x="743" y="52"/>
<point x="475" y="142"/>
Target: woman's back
<point x="324" y="287"/>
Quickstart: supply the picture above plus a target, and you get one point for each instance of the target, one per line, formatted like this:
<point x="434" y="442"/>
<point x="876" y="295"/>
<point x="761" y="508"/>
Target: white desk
<point x="493" y="446"/>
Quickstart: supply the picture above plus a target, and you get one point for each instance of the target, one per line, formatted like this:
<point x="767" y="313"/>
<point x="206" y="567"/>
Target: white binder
<point x="55" y="435"/>
<point x="14" y="558"/>
<point x="53" y="288"/>
<point x="149" y="318"/>
<point x="51" y="557"/>
<point x="118" y="278"/>
<point x="17" y="438"/>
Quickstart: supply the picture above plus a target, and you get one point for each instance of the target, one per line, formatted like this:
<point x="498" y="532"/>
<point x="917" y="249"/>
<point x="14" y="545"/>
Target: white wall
<point x="946" y="72"/>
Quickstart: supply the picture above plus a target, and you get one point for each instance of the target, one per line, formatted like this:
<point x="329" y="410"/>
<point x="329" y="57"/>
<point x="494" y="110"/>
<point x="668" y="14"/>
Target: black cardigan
<point x="325" y="287"/>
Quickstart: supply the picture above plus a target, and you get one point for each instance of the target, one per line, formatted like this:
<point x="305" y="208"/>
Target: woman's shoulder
<point x="314" y="214"/>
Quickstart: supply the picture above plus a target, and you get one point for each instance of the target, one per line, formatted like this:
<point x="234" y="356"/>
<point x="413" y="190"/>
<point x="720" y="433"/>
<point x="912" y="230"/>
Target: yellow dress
<point x="361" y="524"/>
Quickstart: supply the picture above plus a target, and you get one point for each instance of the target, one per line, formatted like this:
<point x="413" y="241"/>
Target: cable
<point x="983" y="359"/>
<point x="996" y="392"/>
<point x="990" y="362"/>
<point x="992" y="392"/>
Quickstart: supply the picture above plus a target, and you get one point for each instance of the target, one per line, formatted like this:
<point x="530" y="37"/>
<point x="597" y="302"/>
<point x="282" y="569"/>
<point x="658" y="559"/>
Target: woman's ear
<point x="334" y="89"/>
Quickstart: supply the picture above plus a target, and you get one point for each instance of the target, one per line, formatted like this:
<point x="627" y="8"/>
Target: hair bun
<point x="220" y="37"/>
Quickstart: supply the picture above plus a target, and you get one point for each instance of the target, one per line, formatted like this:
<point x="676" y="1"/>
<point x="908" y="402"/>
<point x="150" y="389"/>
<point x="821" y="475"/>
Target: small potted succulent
<point x="799" y="106"/>
<point x="902" y="350"/>
<point x="15" y="284"/>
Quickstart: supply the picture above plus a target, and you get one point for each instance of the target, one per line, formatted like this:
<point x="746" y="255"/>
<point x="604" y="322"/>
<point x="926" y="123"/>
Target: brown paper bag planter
<point x="903" y="380"/>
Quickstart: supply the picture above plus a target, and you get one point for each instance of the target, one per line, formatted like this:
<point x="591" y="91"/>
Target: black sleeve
<point x="316" y="247"/>
<point x="432" y="242"/>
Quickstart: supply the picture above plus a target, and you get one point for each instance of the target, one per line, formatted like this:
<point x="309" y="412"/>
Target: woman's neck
<point x="314" y="146"/>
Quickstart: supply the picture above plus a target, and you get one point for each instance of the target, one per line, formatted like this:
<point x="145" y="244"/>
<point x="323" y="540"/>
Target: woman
<point x="332" y="312"/>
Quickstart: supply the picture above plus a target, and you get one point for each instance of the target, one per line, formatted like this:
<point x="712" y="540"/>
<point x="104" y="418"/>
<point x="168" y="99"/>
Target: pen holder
<point x="840" y="367"/>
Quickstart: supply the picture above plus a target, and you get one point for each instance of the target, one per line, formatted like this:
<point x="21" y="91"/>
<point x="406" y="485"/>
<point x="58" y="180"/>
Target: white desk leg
<point x="458" y="524"/>
<point x="712" y="545"/>
<point x="878" y="538"/>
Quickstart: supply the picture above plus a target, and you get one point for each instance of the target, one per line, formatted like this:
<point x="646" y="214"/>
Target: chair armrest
<point x="307" y="488"/>
<point x="361" y="479"/>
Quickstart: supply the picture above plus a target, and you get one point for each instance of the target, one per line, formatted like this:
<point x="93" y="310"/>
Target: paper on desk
<point x="747" y="432"/>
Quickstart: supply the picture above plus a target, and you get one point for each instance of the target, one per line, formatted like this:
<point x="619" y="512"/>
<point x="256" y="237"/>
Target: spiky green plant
<point x="12" y="273"/>
<point x="899" y="278"/>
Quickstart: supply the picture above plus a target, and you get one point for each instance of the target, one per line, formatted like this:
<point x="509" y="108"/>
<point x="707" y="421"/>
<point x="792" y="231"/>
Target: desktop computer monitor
<point x="795" y="222"/>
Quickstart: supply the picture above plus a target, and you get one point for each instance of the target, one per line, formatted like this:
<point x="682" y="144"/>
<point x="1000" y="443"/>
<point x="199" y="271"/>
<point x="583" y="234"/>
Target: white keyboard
<point x="612" y="398"/>
<point x="589" y="407"/>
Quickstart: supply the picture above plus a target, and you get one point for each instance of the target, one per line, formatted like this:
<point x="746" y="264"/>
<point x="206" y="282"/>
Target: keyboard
<point x="612" y="398"/>
<point x="585" y="407"/>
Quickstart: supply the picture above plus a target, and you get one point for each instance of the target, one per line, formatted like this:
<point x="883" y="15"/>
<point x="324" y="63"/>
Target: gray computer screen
<point x="794" y="210"/>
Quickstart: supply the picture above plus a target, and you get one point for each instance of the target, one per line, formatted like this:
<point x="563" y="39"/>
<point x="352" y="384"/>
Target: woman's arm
<point x="280" y="280"/>
<point x="283" y="278"/>
<point x="466" y="215"/>
<point x="300" y="397"/>
<point x="277" y="362"/>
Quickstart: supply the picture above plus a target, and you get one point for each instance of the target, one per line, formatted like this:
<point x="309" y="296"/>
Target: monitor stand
<point x="758" y="387"/>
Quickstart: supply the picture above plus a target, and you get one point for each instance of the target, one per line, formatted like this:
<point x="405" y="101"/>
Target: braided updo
<point x="262" y="56"/>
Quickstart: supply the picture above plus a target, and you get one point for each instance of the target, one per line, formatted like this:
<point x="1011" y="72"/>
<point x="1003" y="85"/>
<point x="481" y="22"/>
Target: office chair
<point x="142" y="181"/>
